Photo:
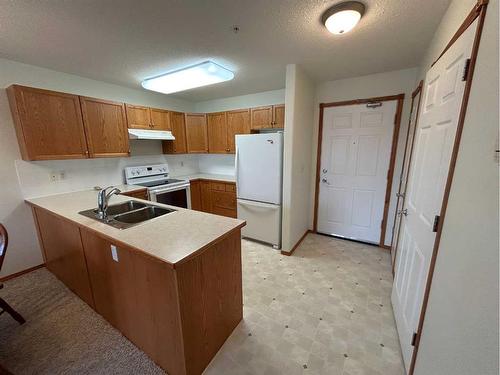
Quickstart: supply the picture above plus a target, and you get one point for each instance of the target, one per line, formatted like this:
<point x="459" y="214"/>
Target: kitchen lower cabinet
<point x="195" y="188"/>
<point x="216" y="197"/>
<point x="178" y="314"/>
<point x="140" y="194"/>
<point x="137" y="295"/>
<point x="63" y="252"/>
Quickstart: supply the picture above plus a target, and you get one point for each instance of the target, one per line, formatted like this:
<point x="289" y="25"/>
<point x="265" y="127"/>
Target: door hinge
<point x="466" y="70"/>
<point x="414" y="339"/>
<point x="436" y="223"/>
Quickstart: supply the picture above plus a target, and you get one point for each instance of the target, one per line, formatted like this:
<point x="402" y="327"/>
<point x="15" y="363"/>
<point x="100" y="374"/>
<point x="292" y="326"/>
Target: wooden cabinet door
<point x="160" y="119"/>
<point x="138" y="117"/>
<point x="196" y="133"/>
<point x="63" y="252"/>
<point x="279" y="116"/>
<point x="140" y="194"/>
<point x="106" y="127"/>
<point x="178" y="128"/>
<point x="48" y="124"/>
<point x="195" y="187"/>
<point x="224" y="203"/>
<point x="206" y="198"/>
<point x="238" y="122"/>
<point x="261" y="117"/>
<point x="217" y="133"/>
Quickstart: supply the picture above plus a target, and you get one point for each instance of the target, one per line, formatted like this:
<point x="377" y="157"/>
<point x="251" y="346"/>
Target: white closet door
<point x="355" y="156"/>
<point x="430" y="162"/>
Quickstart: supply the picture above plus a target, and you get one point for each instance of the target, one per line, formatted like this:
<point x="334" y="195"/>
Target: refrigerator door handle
<point x="236" y="167"/>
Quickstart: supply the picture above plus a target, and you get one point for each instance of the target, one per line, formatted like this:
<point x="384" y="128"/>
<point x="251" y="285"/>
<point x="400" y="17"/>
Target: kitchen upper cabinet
<point x="106" y="127"/>
<point x="138" y="117"/>
<point x="196" y="133"/>
<point x="195" y="188"/>
<point x="178" y="128"/>
<point x="279" y="116"/>
<point x="217" y="133"/>
<point x="272" y="116"/>
<point x="238" y="122"/>
<point x="48" y="124"/>
<point x="160" y="119"/>
<point x="261" y="117"/>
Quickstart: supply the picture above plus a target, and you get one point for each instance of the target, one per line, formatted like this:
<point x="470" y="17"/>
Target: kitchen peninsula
<point x="172" y="285"/>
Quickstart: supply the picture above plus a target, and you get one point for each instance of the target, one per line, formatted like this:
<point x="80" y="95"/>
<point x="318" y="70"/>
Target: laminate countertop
<point x="208" y="176"/>
<point x="171" y="238"/>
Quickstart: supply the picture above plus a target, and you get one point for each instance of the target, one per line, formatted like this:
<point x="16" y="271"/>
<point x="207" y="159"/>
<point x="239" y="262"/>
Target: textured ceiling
<point x="125" y="41"/>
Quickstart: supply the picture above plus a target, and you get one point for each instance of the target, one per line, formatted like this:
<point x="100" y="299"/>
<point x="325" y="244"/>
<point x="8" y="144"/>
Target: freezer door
<point x="259" y="167"/>
<point x="263" y="221"/>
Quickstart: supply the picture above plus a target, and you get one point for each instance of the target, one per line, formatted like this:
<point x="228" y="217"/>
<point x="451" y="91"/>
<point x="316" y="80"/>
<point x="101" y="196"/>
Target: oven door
<point x="178" y="196"/>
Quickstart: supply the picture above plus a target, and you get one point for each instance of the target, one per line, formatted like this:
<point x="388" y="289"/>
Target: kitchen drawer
<point x="231" y="187"/>
<point x="218" y="186"/>
<point x="223" y="200"/>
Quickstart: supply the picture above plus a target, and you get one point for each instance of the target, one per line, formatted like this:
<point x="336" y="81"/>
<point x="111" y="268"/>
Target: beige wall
<point x="382" y="84"/>
<point x="242" y="101"/>
<point x="460" y="333"/>
<point x="299" y="101"/>
<point x="19" y="177"/>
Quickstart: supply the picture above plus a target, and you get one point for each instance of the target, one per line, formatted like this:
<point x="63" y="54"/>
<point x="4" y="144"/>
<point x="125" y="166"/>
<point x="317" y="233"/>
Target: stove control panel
<point x="146" y="171"/>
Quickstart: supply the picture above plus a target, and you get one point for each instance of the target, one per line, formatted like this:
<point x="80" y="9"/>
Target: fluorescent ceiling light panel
<point x="204" y="74"/>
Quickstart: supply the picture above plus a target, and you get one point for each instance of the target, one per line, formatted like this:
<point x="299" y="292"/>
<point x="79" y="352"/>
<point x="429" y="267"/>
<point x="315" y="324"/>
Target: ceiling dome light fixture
<point x="342" y="17"/>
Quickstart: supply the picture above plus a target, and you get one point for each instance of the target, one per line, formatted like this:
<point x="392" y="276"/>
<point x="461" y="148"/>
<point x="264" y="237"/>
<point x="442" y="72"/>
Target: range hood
<point x="150" y="134"/>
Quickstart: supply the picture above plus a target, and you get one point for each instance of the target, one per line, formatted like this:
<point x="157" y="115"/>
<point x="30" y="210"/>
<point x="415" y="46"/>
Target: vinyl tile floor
<point x="324" y="310"/>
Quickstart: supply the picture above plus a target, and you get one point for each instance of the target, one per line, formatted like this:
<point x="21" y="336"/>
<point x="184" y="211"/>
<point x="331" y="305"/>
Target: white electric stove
<point x="161" y="188"/>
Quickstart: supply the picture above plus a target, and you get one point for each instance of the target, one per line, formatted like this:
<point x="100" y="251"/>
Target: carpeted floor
<point x="324" y="310"/>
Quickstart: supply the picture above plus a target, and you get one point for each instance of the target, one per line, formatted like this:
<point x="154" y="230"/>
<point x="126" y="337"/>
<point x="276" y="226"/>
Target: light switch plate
<point x="114" y="253"/>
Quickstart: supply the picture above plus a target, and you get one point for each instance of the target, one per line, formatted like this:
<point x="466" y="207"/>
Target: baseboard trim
<point x="385" y="247"/>
<point x="20" y="273"/>
<point x="288" y="253"/>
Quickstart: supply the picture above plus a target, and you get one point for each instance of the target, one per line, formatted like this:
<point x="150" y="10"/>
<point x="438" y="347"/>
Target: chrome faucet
<point x="102" y="200"/>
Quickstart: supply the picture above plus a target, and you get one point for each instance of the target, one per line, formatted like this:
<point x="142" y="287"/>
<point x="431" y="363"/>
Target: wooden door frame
<point x="392" y="160"/>
<point x="407" y="154"/>
<point x="479" y="11"/>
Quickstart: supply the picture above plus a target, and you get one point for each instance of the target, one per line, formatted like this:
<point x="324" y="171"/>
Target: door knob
<point x="403" y="212"/>
<point x="324" y="180"/>
<point x="325" y="170"/>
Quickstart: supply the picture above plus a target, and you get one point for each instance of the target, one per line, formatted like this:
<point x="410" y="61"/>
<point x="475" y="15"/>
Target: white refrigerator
<point x="259" y="171"/>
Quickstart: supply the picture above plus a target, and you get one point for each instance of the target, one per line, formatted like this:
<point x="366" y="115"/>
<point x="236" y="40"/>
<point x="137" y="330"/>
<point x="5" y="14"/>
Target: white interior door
<point x="355" y="156"/>
<point x="403" y="180"/>
<point x="434" y="139"/>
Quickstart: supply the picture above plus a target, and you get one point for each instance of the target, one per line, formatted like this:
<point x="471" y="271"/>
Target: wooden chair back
<point x="4" y="241"/>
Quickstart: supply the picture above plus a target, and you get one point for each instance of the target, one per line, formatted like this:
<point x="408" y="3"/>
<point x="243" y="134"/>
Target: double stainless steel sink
<point x="127" y="214"/>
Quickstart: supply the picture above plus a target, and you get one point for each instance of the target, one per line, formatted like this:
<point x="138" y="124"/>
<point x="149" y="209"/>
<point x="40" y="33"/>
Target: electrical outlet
<point x="57" y="176"/>
<point x="114" y="253"/>
<point x="182" y="163"/>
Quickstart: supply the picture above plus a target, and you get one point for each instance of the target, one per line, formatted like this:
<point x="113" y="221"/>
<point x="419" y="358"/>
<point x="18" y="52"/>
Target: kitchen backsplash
<point x="217" y="164"/>
<point x="39" y="178"/>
